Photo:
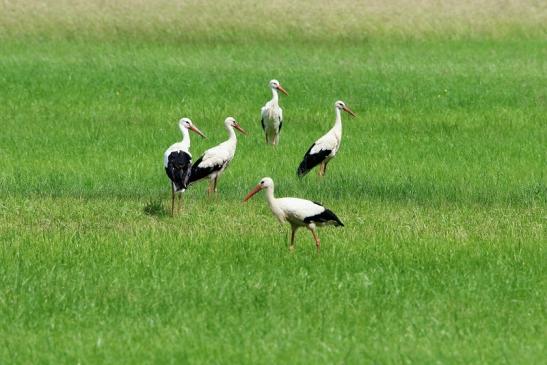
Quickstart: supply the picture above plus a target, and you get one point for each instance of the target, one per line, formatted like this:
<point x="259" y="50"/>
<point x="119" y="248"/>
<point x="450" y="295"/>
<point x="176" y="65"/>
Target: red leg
<point x="317" y="241"/>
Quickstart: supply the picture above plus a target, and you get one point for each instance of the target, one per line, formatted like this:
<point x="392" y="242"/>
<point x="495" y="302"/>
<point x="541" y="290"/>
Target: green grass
<point x="440" y="182"/>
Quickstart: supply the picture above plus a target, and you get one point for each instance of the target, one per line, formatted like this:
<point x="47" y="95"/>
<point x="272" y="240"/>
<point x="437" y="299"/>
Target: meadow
<point x="440" y="182"/>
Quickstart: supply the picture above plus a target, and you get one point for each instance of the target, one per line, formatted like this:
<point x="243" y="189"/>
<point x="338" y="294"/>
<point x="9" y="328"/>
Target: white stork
<point x="272" y="115"/>
<point x="297" y="212"/>
<point x="326" y="147"/>
<point x="177" y="160"/>
<point x="215" y="160"/>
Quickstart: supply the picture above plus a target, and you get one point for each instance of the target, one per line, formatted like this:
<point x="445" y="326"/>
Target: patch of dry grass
<point x="243" y="20"/>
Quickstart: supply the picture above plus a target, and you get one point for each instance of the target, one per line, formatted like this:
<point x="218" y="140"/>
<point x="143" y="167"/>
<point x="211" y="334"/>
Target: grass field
<point x="440" y="181"/>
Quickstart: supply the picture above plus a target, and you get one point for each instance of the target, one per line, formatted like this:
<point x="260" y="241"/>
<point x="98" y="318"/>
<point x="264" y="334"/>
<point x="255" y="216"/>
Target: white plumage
<point x="272" y="114"/>
<point x="216" y="159"/>
<point x="326" y="147"/>
<point x="329" y="142"/>
<point x="297" y="212"/>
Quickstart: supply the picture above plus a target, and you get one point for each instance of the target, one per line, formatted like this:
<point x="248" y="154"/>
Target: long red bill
<point x="348" y="110"/>
<point x="280" y="88"/>
<point x="196" y="130"/>
<point x="238" y="127"/>
<point x="255" y="190"/>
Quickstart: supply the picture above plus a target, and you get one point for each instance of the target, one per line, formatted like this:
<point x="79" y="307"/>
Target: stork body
<point x="272" y="115"/>
<point x="215" y="160"/>
<point x="297" y="212"/>
<point x="326" y="147"/>
<point x="177" y="160"/>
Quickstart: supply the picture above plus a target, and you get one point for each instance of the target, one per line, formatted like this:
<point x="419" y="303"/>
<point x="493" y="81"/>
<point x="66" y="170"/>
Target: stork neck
<point x="231" y="133"/>
<point x="338" y="121"/>
<point x="274" y="206"/>
<point x="270" y="197"/>
<point x="275" y="96"/>
<point x="185" y="138"/>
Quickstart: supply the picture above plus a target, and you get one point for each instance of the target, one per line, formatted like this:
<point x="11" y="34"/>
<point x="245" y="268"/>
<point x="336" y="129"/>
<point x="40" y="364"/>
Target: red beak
<point x="238" y="127"/>
<point x="348" y="110"/>
<point x="280" y="88"/>
<point x="195" y="129"/>
<point x="255" y="190"/>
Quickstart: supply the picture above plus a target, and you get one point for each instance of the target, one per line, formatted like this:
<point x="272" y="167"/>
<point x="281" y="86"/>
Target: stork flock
<point x="182" y="172"/>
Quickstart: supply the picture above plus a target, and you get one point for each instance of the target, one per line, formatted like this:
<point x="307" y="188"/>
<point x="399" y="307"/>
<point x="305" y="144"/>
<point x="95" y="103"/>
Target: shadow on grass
<point x="155" y="208"/>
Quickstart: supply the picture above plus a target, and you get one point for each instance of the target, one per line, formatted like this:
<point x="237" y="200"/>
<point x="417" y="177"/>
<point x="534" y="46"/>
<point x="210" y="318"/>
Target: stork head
<point x="231" y="122"/>
<point x="265" y="183"/>
<point x="340" y="105"/>
<point x="187" y="123"/>
<point x="274" y="84"/>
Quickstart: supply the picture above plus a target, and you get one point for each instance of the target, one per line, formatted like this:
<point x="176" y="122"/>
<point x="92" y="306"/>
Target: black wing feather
<point x="263" y="125"/>
<point x="324" y="217"/>
<point x="199" y="173"/>
<point x="311" y="160"/>
<point x="179" y="164"/>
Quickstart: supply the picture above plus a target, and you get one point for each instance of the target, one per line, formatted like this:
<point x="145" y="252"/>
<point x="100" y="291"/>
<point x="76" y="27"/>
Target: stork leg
<point x="325" y="168"/>
<point x="322" y="168"/>
<point x="179" y="208"/>
<point x="293" y="232"/>
<point x="215" y="184"/>
<point x="209" y="188"/>
<point x="317" y="240"/>
<point x="172" y="199"/>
